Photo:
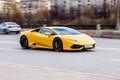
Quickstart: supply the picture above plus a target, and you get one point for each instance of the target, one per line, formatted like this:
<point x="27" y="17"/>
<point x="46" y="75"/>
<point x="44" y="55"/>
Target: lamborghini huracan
<point x="56" y="38"/>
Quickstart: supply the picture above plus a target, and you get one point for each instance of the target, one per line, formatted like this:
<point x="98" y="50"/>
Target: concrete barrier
<point x="112" y="34"/>
<point x="116" y="35"/>
<point x="107" y="34"/>
<point x="97" y="34"/>
<point x="88" y="32"/>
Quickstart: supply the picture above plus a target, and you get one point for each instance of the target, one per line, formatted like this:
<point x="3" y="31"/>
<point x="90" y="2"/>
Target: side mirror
<point x="47" y="33"/>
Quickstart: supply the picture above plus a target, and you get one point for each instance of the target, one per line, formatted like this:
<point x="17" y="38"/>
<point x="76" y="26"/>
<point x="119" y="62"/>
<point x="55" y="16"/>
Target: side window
<point x="36" y="30"/>
<point x="43" y="31"/>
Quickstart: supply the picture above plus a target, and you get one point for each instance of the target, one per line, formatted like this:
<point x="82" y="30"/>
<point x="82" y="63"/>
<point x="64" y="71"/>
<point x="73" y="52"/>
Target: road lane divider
<point x="9" y="42"/>
<point x="8" y="49"/>
<point x="117" y="60"/>
<point x="115" y="49"/>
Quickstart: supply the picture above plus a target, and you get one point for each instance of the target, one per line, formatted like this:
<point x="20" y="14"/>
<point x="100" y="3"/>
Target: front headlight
<point x="73" y="40"/>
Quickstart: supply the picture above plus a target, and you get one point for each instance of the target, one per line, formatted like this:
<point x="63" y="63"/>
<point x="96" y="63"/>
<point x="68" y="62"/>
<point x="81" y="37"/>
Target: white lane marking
<point x="116" y="49"/>
<point x="117" y="60"/>
<point x="6" y="49"/>
<point x="8" y="42"/>
<point x="34" y="68"/>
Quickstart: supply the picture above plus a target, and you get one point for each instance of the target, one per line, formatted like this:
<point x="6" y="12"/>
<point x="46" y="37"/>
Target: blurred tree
<point x="87" y="16"/>
<point x="41" y="17"/>
<point x="12" y="13"/>
<point x="88" y="12"/>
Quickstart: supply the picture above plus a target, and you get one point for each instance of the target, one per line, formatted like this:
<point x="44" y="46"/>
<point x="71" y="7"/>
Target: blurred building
<point x="33" y="6"/>
<point x="64" y="7"/>
<point x="2" y="4"/>
<point x="67" y="4"/>
<point x="109" y="2"/>
<point x="3" y="8"/>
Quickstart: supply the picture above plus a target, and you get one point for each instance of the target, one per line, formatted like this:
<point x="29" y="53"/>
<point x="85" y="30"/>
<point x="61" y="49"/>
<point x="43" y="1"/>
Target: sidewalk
<point x="25" y="72"/>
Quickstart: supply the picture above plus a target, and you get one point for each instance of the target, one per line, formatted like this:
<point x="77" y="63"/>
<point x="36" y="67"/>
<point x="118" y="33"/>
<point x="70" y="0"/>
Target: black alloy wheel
<point x="58" y="45"/>
<point x="24" y="42"/>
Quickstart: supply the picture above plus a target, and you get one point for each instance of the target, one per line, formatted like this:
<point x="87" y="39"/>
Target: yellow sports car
<point x="57" y="38"/>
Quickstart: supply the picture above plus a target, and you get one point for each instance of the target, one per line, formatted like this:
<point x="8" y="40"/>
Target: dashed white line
<point x="6" y="49"/>
<point x="117" y="60"/>
<point x="9" y="42"/>
<point x="115" y="49"/>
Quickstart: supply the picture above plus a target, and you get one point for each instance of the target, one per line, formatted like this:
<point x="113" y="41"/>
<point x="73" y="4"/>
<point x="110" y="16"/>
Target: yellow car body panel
<point x="34" y="37"/>
<point x="82" y="39"/>
<point x="37" y="40"/>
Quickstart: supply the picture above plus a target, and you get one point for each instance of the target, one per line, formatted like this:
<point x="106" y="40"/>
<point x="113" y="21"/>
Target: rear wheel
<point x="5" y="31"/>
<point x="24" y="42"/>
<point x="58" y="45"/>
<point x="17" y="32"/>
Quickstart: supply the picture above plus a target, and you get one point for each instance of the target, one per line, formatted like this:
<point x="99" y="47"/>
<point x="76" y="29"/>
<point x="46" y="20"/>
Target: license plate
<point x="88" y="46"/>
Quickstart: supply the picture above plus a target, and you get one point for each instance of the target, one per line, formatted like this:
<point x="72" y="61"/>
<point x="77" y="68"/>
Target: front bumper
<point x="81" y="47"/>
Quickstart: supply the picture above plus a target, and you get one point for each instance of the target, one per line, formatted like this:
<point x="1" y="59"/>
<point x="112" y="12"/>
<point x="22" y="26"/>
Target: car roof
<point x="8" y="22"/>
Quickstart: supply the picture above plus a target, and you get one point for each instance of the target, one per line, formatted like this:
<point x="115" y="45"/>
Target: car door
<point x="43" y="39"/>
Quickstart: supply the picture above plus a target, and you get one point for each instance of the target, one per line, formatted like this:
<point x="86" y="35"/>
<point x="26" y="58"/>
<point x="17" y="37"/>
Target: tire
<point x="24" y="42"/>
<point x="17" y="32"/>
<point x="5" y="31"/>
<point x="57" y="45"/>
<point x="84" y="49"/>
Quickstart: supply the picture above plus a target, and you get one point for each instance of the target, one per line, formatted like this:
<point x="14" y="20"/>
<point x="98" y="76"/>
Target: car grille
<point x="76" y="46"/>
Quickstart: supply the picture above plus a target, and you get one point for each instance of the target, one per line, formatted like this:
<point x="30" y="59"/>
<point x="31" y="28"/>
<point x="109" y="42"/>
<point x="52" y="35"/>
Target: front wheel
<point x="24" y="42"/>
<point x="6" y="31"/>
<point x="58" y="45"/>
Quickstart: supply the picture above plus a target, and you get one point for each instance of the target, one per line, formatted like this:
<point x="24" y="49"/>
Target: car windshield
<point x="66" y="31"/>
<point x="11" y="23"/>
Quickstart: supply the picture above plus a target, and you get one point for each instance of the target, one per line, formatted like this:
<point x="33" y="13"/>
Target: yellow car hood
<point x="81" y="39"/>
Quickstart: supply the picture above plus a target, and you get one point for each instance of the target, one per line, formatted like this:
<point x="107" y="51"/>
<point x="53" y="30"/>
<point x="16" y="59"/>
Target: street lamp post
<point x="118" y="15"/>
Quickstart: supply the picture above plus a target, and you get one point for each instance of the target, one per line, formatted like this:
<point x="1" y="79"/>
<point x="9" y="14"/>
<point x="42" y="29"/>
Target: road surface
<point x="104" y="60"/>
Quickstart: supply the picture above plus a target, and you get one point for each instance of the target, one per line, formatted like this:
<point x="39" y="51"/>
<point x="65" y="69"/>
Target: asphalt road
<point x="104" y="60"/>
